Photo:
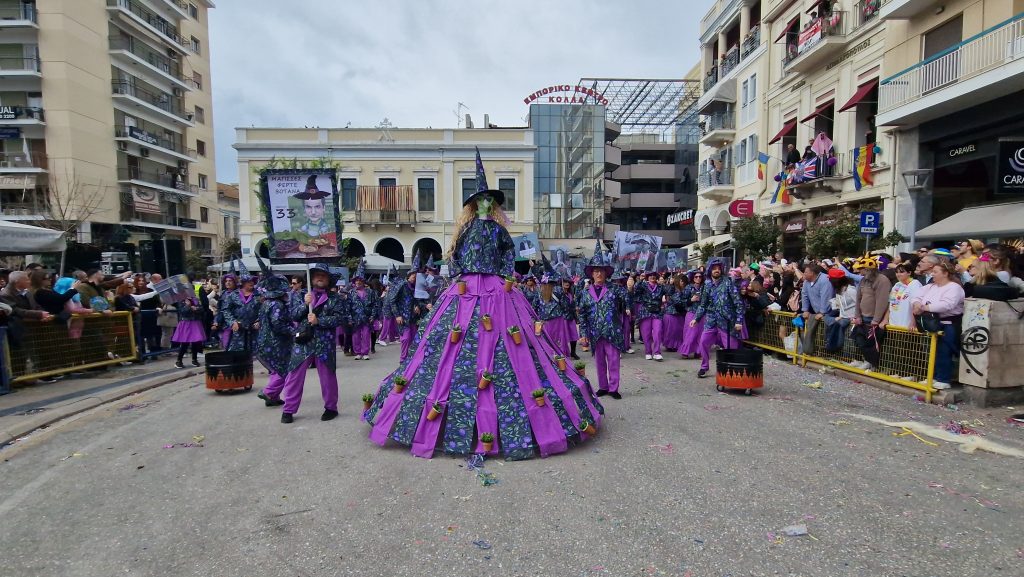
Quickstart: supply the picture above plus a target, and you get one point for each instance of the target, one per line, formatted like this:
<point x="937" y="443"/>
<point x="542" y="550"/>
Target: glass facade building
<point x="568" y="170"/>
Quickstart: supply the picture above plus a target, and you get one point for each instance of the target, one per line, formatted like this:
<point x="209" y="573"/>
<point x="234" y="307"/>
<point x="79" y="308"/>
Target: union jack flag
<point x="805" y="170"/>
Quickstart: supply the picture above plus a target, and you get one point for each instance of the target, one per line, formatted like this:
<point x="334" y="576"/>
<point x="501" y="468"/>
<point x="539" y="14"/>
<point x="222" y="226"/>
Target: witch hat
<point x="416" y="262"/>
<point x="243" y="273"/>
<point x="481" y="184"/>
<point x="550" y="275"/>
<point x="271" y="285"/>
<point x="360" y="271"/>
<point x="311" y="192"/>
<point x="598" y="261"/>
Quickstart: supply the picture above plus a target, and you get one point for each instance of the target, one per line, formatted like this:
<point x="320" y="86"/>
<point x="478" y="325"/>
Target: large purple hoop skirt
<point x="448" y="373"/>
<point x="557" y="331"/>
<point x="672" y="331"/>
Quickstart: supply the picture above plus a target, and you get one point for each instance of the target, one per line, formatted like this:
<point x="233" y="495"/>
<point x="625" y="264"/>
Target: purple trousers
<point x="672" y="331"/>
<point x="408" y="336"/>
<point x="274" y="386"/>
<point x="361" y="339"/>
<point x="296" y="379"/>
<point x="607" y="358"/>
<point x="691" y="336"/>
<point x="225" y="336"/>
<point x="650" y="331"/>
<point x="709" y="337"/>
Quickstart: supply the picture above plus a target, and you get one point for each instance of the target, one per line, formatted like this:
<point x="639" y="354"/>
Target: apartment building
<point x="951" y="97"/>
<point x="107" y="124"/>
<point x="401" y="190"/>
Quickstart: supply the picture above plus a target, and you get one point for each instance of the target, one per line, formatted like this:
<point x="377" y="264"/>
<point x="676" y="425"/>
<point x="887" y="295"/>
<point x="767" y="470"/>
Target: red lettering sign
<point x="741" y="208"/>
<point x="575" y="89"/>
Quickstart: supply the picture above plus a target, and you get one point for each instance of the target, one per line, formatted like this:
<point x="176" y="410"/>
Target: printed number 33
<point x="285" y="213"/>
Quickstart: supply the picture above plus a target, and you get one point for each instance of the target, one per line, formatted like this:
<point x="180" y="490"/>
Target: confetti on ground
<point x="475" y="463"/>
<point x="73" y="455"/>
<point x="132" y="406"/>
<point x="663" y="449"/>
<point x="967" y="443"/>
<point x="815" y="385"/>
<point x="715" y="408"/>
<point x="481" y="544"/>
<point x="840" y="422"/>
<point x="981" y="502"/>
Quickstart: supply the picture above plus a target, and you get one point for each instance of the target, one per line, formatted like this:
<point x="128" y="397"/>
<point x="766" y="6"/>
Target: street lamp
<point x="916" y="181"/>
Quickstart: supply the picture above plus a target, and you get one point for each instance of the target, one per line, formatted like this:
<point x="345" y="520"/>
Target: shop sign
<point x="575" y="95"/>
<point x="961" y="150"/>
<point x="741" y="208"/>
<point x="1011" y="167"/>
<point x="10" y="133"/>
<point x="17" y="182"/>
<point x="682" y="218"/>
<point x="9" y="112"/>
<point x="139" y="134"/>
<point x="795" y="226"/>
<point x="147" y="201"/>
<point x="825" y="221"/>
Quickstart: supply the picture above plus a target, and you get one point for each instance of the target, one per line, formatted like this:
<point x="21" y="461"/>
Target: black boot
<point x="195" y="360"/>
<point x="286" y="418"/>
<point x="328" y="415"/>
<point x="178" y="363"/>
<point x="572" y="351"/>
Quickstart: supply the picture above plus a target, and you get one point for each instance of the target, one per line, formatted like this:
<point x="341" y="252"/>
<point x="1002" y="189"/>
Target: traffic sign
<point x="870" y="222"/>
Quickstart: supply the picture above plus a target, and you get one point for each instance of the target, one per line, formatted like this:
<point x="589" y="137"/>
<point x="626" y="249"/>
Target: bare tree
<point x="69" y="201"/>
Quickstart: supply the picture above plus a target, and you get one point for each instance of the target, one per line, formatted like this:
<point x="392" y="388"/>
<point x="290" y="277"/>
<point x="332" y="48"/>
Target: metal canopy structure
<point x="639" y="103"/>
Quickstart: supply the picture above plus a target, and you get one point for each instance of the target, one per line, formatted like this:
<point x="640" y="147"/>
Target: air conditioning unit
<point x="122" y="146"/>
<point x="178" y="91"/>
<point x="144" y="152"/>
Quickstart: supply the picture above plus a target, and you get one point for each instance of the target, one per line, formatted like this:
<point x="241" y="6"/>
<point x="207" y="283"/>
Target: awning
<point x="717" y="240"/>
<point x="817" y="111"/>
<point x="860" y="94"/>
<point x="784" y="132"/>
<point x="989" y="221"/>
<point x="22" y="239"/>
<point x="788" y="27"/>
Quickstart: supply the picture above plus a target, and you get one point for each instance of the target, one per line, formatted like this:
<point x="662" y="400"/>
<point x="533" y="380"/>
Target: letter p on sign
<point x="870" y="222"/>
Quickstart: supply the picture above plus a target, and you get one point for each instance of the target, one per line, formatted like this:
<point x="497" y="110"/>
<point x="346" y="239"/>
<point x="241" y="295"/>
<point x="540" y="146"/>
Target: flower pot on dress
<point x="485" y="381"/>
<point x="456" y="334"/>
<point x="486" y="321"/>
<point x="462" y="287"/>
<point x="538" y="327"/>
<point x="434" y="413"/>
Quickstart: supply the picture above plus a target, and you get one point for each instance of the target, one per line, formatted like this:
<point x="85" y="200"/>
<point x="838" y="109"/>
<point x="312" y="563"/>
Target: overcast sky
<point x="329" y="63"/>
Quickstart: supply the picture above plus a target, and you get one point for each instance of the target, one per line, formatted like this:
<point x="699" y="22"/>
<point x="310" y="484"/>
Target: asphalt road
<point x="681" y="481"/>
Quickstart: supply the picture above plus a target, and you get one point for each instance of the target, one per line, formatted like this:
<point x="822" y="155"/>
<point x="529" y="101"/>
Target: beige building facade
<point x="108" y="123"/>
<point x="427" y="172"/>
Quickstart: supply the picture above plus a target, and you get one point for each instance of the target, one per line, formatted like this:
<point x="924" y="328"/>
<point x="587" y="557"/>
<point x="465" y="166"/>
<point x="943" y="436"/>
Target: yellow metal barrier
<point x="83" y="342"/>
<point x="907" y="357"/>
<point x="771" y="335"/>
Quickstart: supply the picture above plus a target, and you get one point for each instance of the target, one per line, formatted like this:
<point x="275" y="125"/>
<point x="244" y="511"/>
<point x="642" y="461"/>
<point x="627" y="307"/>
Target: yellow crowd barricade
<point x="82" y="342"/>
<point x="776" y="334"/>
<point x="907" y="357"/>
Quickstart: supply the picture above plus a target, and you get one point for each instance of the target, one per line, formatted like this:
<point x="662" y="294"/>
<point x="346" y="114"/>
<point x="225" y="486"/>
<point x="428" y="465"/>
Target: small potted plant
<point x="581" y="368"/>
<point x="560" y="361"/>
<point x="486" y="321"/>
<point x="367" y="401"/>
<point x="461" y="284"/>
<point x="509" y="281"/>
<point x="456" y="333"/>
<point x="435" y="411"/>
<point x="400" y="383"/>
<point x="485" y="380"/>
<point x="517" y="338"/>
<point x="487" y="440"/>
<point x="587" y="427"/>
<point x="538" y="397"/>
<point x="538" y="327"/>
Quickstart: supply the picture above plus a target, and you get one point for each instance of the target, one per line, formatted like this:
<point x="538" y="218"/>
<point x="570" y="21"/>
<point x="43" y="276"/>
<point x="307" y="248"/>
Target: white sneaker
<point x="659" y="358"/>
<point x="940" y="385"/>
<point x="630" y="350"/>
<point x="366" y="357"/>
<point x="648" y="357"/>
<point x="381" y="344"/>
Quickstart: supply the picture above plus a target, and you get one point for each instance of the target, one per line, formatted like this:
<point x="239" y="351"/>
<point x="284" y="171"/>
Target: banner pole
<point x="309" y="289"/>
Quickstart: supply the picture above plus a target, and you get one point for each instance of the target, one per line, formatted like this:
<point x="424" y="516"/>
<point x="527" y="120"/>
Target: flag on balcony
<point x="782" y="189"/>
<point x="862" y="158"/>
<point x="762" y="165"/>
<point x="803" y="171"/>
<point x="481" y="177"/>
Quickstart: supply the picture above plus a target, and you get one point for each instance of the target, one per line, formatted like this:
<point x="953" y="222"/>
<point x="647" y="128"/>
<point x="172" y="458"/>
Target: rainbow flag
<point x="762" y="165"/>
<point x="782" y="191"/>
<point x="862" y="158"/>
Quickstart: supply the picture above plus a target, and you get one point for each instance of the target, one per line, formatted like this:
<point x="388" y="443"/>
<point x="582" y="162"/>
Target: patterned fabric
<point x="323" y="345"/>
<point x="244" y="311"/>
<point x="532" y="297"/>
<point x="402" y="302"/>
<point x="648" y="300"/>
<point x="720" y="304"/>
<point x="690" y="291"/>
<point x="188" y="310"/>
<point x="483" y="247"/>
<point x="363" y="309"/>
<point x="274" y="338"/>
<point x="552" y="309"/>
<point x="600" y="314"/>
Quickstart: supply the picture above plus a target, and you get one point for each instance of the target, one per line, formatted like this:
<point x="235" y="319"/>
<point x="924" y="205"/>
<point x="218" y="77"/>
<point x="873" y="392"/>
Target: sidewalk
<point x="30" y="407"/>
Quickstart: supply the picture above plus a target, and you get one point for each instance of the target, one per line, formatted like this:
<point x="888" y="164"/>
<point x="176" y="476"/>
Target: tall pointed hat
<point x="271" y="285"/>
<point x="417" y="262"/>
<point x="243" y="272"/>
<point x="481" y="184"/>
<point x="360" y="270"/>
<point x="598" y="261"/>
<point x="550" y="275"/>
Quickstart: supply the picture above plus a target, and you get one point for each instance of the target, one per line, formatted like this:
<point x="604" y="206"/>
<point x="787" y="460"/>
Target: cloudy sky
<point x="334" y="62"/>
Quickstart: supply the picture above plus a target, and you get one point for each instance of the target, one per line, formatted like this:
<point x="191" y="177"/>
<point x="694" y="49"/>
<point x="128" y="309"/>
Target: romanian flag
<point x="762" y="165"/>
<point x="782" y="191"/>
<point x="862" y="158"/>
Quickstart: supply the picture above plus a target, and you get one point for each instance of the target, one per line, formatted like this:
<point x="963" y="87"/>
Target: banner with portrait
<point x="527" y="246"/>
<point x="636" y="251"/>
<point x="672" y="259"/>
<point x="303" y="220"/>
<point x="174" y="289"/>
<point x="560" y="261"/>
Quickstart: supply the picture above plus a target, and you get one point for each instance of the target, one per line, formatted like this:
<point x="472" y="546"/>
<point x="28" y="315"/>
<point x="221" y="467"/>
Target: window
<point x="555" y="200"/>
<point x="389" y="182"/>
<point x="196" y="46"/>
<point x="748" y="100"/>
<point x="197" y="80"/>
<point x="202" y="244"/>
<point x="425" y="191"/>
<point x="201" y="148"/>
<point x="227" y="227"/>
<point x="193" y="11"/>
<point x="204" y="214"/>
<point x="468" y="188"/>
<point x="508" y="186"/>
<point x="348" y="193"/>
<point x="202" y="183"/>
<point x="200" y="115"/>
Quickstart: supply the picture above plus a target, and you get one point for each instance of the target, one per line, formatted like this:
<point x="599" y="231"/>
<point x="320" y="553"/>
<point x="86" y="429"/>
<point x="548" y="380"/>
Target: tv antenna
<point x="385" y="127"/>
<point x="458" y="113"/>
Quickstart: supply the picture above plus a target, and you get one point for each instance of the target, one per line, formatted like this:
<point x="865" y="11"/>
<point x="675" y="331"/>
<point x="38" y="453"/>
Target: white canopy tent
<point x="22" y="239"/>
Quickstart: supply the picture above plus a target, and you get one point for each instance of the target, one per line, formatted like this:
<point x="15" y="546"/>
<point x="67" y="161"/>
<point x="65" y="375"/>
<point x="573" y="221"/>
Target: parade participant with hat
<point x="319" y="313"/>
<point x="601" y="310"/>
<point x="551" y="308"/>
<point x="478" y="367"/>
<point x="692" y="329"/>
<point x="314" y="206"/>
<point x="568" y="294"/>
<point x="406" y="307"/>
<point x="273" y="345"/>
<point x="389" y="332"/>
<point x="241" y="309"/>
<point x="228" y="285"/>
<point x="189" y="331"/>
<point x="620" y="283"/>
<point x="650" y="298"/>
<point x="721" y="309"/>
<point x="673" y="323"/>
<point x="364" y="307"/>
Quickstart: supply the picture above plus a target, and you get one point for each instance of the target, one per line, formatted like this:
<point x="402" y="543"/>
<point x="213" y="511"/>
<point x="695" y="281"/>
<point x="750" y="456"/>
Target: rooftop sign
<point x="577" y="95"/>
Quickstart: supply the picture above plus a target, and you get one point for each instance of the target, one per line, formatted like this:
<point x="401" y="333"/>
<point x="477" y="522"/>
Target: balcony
<point x="612" y="157"/>
<point x="19" y="162"/>
<point x="23" y="211"/>
<point x="139" y="52"/>
<point x="21" y="116"/>
<point x="904" y="9"/>
<point x="150" y="139"/>
<point x="179" y="6"/>
<point x="645" y="172"/>
<point x="18" y="15"/>
<point x="164" y="181"/>
<point x="819" y="42"/>
<point x="716" y="185"/>
<point x="385" y="205"/>
<point x="145" y="19"/>
<point x="612" y="189"/>
<point x="162" y="104"/>
<point x="987" y="66"/>
<point x="865" y="12"/>
<point x="729" y="62"/>
<point x="751" y="42"/>
<point x="711" y="79"/>
<point x="611" y="130"/>
<point x="20" y="67"/>
<point x="718" y="129"/>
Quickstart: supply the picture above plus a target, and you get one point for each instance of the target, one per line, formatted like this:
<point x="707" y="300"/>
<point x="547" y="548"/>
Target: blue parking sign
<point x="870" y="222"/>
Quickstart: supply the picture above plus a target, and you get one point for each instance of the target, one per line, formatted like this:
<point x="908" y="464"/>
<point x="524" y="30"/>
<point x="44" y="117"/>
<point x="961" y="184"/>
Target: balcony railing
<point x="164" y="179"/>
<point x="21" y="113"/>
<point x="23" y="209"/>
<point x="385" y="204"/>
<point x="148" y="138"/>
<point x="22" y="12"/>
<point x="713" y="178"/>
<point x="865" y="12"/>
<point x="715" y="122"/>
<point x="22" y="160"/>
<point x="143" y="51"/>
<point x="161" y="100"/>
<point x="26" y="64"/>
<point x="165" y="28"/>
<point x="751" y="42"/>
<point x="730" y="60"/>
<point x="711" y="79"/>
<point x="828" y="26"/>
<point x="990" y="49"/>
